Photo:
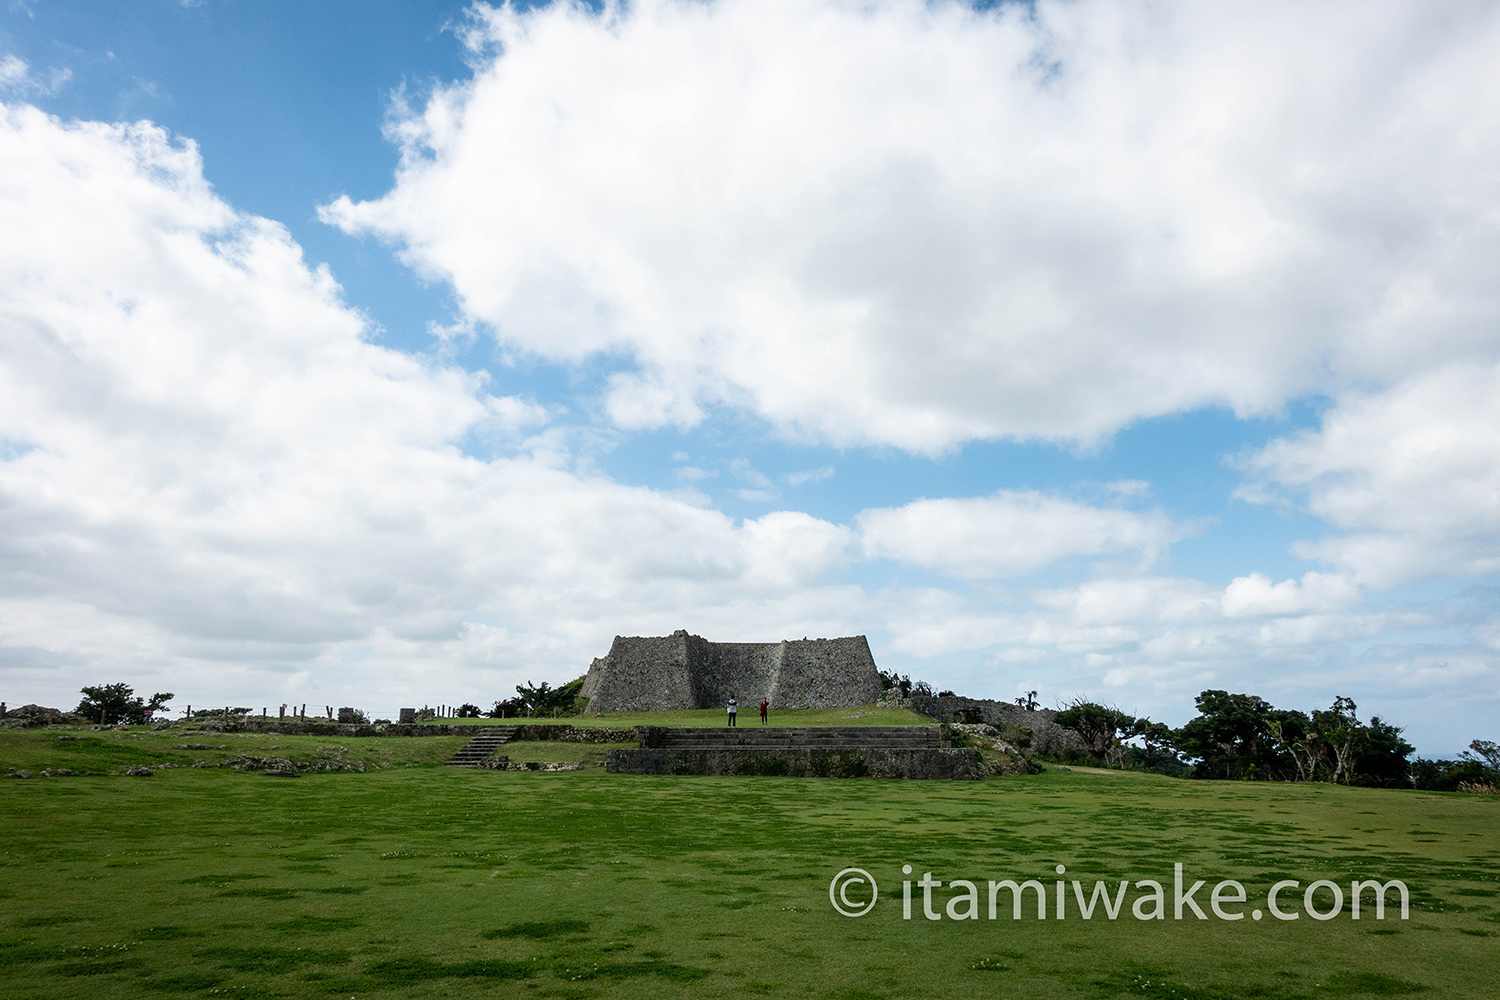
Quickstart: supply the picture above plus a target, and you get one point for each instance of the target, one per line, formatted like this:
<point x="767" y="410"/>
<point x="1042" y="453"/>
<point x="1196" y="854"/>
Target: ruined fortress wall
<point x="743" y="670"/>
<point x="643" y="674"/>
<point x="688" y="671"/>
<point x="827" y="673"/>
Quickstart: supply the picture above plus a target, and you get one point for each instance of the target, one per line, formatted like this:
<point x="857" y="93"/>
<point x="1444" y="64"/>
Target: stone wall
<point x="660" y="673"/>
<point x="794" y="762"/>
<point x="1045" y="737"/>
<point x="321" y="727"/>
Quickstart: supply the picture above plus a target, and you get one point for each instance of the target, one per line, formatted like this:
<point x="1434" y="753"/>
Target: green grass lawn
<point x="415" y="880"/>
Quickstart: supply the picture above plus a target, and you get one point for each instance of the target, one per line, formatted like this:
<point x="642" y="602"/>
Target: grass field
<point x="415" y="880"/>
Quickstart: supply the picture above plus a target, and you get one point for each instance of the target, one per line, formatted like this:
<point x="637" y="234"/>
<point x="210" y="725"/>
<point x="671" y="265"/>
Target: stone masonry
<point x="658" y="673"/>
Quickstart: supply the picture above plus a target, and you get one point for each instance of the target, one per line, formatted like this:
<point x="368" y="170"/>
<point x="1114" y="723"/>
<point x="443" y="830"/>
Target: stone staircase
<point x="800" y="737"/>
<point x="487" y="739"/>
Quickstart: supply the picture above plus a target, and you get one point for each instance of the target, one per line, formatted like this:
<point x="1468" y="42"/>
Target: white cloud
<point x="13" y="71"/>
<point x="210" y="474"/>
<point x="211" y="480"/>
<point x="817" y="475"/>
<point x="915" y="224"/>
<point x="16" y="76"/>
<point x="1010" y="533"/>
<point x="1128" y="601"/>
<point x="1410" y="474"/>
<point x="1256" y="596"/>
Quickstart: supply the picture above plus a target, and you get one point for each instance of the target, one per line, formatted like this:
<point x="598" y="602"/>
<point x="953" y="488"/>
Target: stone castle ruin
<point x="658" y="673"/>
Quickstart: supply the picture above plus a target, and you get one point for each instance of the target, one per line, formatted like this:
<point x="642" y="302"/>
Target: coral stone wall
<point x="656" y="673"/>
<point x="643" y="674"/>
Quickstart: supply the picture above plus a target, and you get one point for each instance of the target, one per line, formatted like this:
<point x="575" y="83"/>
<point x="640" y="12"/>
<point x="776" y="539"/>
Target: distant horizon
<point x="1111" y="349"/>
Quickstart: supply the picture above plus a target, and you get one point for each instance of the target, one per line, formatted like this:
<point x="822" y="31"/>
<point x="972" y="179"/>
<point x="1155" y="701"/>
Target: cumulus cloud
<point x="1150" y="642"/>
<point x="916" y="224"/>
<point x="207" y="469"/>
<point x="1008" y="534"/>
<point x="1256" y="596"/>
<point x="1411" y="475"/>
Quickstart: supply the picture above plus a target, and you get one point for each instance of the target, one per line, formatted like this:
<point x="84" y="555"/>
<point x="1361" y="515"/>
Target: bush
<point x="1447" y="775"/>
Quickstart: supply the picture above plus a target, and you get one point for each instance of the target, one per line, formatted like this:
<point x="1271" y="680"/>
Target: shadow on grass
<point x="405" y="971"/>
<point x="537" y="929"/>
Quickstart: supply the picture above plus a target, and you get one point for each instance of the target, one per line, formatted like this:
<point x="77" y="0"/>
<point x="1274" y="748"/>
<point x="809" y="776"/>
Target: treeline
<point x="1245" y="737"/>
<point x="534" y="700"/>
<point x="531" y="701"/>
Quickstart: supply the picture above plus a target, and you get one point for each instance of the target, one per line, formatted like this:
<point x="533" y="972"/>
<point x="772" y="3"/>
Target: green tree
<point x="1157" y="745"/>
<point x="1232" y="737"/>
<point x="111" y="704"/>
<point x="543" y="699"/>
<point x="1385" y="761"/>
<point x="1099" y="726"/>
<point x="1484" y="752"/>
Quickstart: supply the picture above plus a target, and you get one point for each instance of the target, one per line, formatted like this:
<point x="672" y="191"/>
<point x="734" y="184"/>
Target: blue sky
<point x="379" y="354"/>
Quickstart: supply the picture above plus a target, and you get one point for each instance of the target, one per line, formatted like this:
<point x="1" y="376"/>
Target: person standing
<point x="734" y="707"/>
<point x="764" y="705"/>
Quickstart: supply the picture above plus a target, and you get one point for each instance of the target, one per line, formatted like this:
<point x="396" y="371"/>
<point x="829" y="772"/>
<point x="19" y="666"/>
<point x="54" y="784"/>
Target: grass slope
<point x="423" y="881"/>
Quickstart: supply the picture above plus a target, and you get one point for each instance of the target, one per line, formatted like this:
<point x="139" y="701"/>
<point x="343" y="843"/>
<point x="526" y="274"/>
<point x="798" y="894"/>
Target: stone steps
<point x="801" y="737"/>
<point x="487" y="739"/>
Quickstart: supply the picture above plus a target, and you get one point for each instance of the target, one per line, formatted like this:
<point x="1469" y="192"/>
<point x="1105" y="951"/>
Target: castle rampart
<point x="656" y="673"/>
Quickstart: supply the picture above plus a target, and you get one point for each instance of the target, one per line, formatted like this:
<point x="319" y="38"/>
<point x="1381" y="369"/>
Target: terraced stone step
<point x="487" y="739"/>
<point x="751" y="737"/>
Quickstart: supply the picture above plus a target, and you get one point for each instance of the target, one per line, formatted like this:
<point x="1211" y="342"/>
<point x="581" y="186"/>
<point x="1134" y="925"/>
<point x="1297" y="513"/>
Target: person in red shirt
<point x="764" y="704"/>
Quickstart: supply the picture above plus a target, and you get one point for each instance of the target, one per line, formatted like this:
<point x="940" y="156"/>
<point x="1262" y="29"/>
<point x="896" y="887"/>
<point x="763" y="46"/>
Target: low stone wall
<point x="310" y="727"/>
<point x="853" y="762"/>
<point x="552" y="732"/>
<point x="1033" y="731"/>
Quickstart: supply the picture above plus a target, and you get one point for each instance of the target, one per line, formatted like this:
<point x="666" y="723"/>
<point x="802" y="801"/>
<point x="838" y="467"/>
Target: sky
<point x="390" y="353"/>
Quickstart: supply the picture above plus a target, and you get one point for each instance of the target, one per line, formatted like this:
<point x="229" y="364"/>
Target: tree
<point x="509" y="708"/>
<point x="111" y="704"/>
<point x="468" y="711"/>
<point x="1341" y="738"/>
<point x="1294" y="738"/>
<point x="1483" y="752"/>
<point x="903" y="683"/>
<point x="1232" y="738"/>
<point x="543" y="699"/>
<point x="1385" y="761"/>
<point x="1157" y="748"/>
<point x="1028" y="701"/>
<point x="1099" y="726"/>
